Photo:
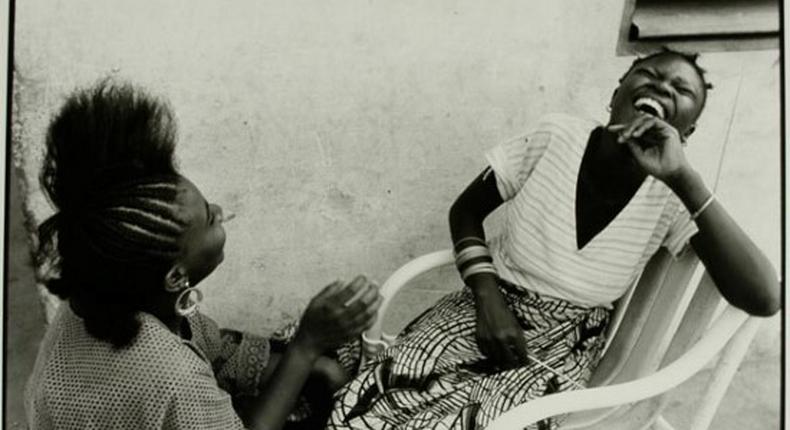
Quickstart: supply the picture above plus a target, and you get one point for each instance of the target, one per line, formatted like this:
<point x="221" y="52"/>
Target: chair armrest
<point x="373" y="339"/>
<point x="716" y="337"/>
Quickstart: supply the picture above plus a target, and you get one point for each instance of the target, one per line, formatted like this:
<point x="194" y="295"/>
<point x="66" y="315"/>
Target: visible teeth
<point x="651" y="103"/>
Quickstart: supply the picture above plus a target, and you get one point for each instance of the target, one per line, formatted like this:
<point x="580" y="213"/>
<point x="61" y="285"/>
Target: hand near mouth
<point x="655" y="145"/>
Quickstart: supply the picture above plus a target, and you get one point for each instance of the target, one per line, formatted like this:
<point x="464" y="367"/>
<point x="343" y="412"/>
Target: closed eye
<point x="686" y="91"/>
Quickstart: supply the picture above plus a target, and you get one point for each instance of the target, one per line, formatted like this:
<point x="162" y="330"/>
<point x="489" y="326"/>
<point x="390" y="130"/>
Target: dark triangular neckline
<point x="592" y="215"/>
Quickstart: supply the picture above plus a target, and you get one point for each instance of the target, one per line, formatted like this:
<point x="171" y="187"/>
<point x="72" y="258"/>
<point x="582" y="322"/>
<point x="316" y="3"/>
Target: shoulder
<point x="565" y="128"/>
<point x="155" y="358"/>
<point x="154" y="371"/>
<point x="166" y="350"/>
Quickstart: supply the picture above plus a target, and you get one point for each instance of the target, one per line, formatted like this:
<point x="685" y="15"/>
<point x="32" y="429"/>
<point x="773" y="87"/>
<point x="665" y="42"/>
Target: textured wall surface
<point x="340" y="132"/>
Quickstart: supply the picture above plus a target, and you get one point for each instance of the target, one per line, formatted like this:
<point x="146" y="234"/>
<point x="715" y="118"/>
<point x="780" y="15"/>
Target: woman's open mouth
<point x="650" y="106"/>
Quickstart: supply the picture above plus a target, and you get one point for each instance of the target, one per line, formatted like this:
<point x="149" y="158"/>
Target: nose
<point x="216" y="210"/>
<point x="663" y="87"/>
<point x="220" y="214"/>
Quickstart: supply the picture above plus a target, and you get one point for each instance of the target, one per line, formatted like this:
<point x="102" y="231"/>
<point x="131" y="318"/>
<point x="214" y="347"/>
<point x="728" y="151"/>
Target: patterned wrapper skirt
<point x="435" y="377"/>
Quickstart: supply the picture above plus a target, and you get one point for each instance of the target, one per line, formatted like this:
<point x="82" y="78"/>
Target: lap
<point x="435" y="373"/>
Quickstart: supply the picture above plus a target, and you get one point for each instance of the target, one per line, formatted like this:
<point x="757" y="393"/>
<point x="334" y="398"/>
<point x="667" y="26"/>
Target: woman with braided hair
<point x="130" y="241"/>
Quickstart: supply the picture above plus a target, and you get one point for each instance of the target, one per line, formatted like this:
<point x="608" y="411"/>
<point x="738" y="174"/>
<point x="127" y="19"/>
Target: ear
<point x="176" y="279"/>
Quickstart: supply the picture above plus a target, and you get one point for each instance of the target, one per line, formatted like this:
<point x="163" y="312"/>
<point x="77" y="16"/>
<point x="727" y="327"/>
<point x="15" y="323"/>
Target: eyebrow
<point x="208" y="213"/>
<point x="675" y="80"/>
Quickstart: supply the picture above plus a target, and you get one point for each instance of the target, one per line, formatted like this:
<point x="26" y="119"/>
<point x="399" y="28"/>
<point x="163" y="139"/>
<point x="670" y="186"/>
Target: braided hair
<point x="109" y="172"/>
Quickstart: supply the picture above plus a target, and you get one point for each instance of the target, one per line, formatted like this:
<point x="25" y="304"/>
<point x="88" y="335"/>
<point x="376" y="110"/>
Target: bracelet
<point x="471" y="262"/>
<point x="478" y="268"/>
<point x="469" y="239"/>
<point x="703" y="207"/>
<point x="469" y="253"/>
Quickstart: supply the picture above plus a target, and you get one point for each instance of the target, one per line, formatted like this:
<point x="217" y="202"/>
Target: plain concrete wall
<point x="340" y="132"/>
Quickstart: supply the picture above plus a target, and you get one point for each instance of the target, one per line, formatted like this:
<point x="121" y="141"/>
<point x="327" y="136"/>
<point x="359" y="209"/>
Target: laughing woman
<point x="587" y="206"/>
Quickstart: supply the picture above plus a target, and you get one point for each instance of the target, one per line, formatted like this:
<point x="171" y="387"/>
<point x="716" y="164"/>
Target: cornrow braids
<point x="108" y="169"/>
<point x="139" y="224"/>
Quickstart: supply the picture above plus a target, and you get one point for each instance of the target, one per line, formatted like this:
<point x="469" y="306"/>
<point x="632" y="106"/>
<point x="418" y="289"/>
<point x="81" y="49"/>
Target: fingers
<point x="363" y="299"/>
<point x="351" y="292"/>
<point x="366" y="317"/>
<point x="638" y="124"/>
<point x="329" y="290"/>
<point x="508" y="351"/>
<point x="615" y="127"/>
<point x="647" y="130"/>
<point x="519" y="348"/>
<point x="627" y="130"/>
<point x="506" y="356"/>
<point x="485" y="347"/>
<point x="340" y="312"/>
<point x="363" y="290"/>
<point x="636" y="149"/>
<point x="513" y="351"/>
<point x="357" y="305"/>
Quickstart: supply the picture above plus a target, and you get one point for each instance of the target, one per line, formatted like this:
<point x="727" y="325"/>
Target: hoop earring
<point x="186" y="304"/>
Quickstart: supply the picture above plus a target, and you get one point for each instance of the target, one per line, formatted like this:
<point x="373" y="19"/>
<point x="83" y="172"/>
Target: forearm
<point x="742" y="273"/>
<point x="463" y="225"/>
<point x="281" y="391"/>
<point x="466" y="218"/>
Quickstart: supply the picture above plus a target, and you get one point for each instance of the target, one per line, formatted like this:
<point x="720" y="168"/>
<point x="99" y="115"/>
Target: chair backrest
<point x="667" y="310"/>
<point x="646" y="320"/>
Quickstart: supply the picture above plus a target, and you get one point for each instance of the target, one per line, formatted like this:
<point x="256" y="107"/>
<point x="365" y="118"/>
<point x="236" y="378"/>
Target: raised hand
<point x="655" y="144"/>
<point x="339" y="313"/>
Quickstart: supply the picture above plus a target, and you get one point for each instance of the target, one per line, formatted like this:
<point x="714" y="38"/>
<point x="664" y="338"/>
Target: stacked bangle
<point x="473" y="259"/>
<point x="474" y="239"/>
<point x="478" y="268"/>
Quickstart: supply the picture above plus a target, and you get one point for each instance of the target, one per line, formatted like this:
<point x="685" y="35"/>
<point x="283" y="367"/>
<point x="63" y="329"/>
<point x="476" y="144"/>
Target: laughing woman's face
<point x="666" y="86"/>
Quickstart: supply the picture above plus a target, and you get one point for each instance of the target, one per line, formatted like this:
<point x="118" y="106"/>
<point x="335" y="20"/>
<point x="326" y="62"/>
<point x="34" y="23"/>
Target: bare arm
<point x="472" y="207"/>
<point x="279" y="395"/>
<point x="742" y="273"/>
<point x="498" y="332"/>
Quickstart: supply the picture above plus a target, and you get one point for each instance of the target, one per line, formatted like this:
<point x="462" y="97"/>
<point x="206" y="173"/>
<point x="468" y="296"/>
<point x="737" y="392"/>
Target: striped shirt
<point x="536" y="175"/>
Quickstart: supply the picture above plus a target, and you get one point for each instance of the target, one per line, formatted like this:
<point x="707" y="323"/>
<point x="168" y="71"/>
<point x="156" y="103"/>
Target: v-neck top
<point x="536" y="175"/>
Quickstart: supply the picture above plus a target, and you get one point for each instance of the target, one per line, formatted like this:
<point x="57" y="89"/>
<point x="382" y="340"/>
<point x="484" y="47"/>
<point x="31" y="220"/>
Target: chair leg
<point x="722" y="374"/>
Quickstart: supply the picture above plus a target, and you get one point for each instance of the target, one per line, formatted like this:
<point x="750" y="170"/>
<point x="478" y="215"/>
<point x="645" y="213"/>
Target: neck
<point x="161" y="306"/>
<point x="163" y="309"/>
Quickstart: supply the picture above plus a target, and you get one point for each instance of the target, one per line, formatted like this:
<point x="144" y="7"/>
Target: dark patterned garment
<point x="435" y="377"/>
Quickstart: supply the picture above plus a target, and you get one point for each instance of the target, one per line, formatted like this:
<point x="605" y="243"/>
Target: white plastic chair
<point x="670" y="325"/>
